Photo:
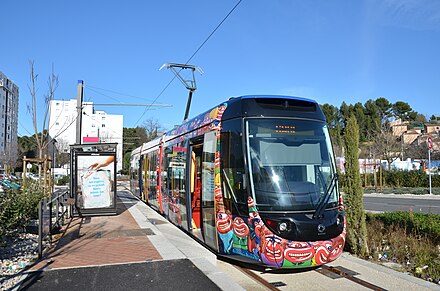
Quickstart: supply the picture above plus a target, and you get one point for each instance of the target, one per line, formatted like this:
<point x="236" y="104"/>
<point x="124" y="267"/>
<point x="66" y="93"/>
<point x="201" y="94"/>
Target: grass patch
<point x="409" y="239"/>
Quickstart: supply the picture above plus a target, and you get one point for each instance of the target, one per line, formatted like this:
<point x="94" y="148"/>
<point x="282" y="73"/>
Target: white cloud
<point x="411" y="14"/>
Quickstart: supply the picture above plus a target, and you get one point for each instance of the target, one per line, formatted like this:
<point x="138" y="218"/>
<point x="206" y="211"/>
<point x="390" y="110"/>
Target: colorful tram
<point x="253" y="179"/>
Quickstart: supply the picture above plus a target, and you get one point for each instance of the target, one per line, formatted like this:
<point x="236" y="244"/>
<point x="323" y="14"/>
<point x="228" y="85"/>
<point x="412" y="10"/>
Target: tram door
<point x="208" y="187"/>
<point x="202" y="176"/>
<point x="196" y="189"/>
<point x="145" y="184"/>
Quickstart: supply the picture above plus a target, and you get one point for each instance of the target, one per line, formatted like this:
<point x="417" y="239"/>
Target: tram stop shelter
<point x="93" y="178"/>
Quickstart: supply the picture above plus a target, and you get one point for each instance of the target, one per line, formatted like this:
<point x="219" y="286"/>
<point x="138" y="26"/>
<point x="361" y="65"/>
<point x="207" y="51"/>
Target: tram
<point x="253" y="179"/>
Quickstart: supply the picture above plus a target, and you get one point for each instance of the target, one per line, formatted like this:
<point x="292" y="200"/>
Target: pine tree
<point x="355" y="214"/>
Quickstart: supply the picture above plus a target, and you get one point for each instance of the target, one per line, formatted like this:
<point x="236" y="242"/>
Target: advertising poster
<point x="95" y="174"/>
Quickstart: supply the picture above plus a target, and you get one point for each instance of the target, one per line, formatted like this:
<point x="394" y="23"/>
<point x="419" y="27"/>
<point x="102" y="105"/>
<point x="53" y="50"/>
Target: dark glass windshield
<point x="291" y="164"/>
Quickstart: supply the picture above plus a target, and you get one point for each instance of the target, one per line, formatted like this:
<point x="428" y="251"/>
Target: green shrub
<point x="416" y="223"/>
<point x="18" y="207"/>
<point x="410" y="239"/>
<point x="400" y="179"/>
<point x="64" y="180"/>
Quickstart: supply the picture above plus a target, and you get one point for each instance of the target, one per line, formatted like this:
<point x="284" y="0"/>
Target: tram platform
<point x="137" y="249"/>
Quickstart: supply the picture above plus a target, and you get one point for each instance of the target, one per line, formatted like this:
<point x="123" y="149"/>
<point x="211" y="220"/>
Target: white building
<point x="8" y="121"/>
<point x="97" y="126"/>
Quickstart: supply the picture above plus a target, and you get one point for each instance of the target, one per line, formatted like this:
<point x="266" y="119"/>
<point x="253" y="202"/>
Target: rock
<point x="16" y="253"/>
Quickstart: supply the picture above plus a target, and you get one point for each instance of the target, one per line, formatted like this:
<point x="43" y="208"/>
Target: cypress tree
<point x="355" y="214"/>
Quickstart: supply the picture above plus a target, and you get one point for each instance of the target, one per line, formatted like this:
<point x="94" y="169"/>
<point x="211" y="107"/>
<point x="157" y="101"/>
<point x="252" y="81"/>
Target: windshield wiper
<point x="324" y="199"/>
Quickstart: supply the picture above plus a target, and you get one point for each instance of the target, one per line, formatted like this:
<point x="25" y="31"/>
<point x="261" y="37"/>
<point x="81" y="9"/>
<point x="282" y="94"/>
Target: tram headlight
<point x="283" y="226"/>
<point x="340" y="220"/>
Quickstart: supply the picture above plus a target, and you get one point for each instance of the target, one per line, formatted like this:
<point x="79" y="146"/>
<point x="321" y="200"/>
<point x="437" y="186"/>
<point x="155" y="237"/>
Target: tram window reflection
<point x="233" y="166"/>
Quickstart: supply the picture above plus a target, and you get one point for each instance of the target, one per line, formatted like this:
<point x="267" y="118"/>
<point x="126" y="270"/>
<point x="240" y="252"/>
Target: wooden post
<point x="44" y="174"/>
<point x="50" y="178"/>
<point x="24" y="171"/>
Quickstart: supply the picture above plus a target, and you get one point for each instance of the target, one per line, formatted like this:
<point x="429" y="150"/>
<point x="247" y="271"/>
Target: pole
<point x="429" y="161"/>
<point x="79" y="110"/>
<point x="188" y="105"/>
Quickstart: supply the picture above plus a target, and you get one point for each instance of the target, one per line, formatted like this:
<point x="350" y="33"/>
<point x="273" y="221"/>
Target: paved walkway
<point x="136" y="249"/>
<point x="101" y="240"/>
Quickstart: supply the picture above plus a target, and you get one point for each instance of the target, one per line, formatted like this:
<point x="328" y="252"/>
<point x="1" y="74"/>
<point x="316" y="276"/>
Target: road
<point x="390" y="202"/>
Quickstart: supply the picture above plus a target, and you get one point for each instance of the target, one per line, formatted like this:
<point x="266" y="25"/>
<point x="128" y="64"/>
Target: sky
<point x="330" y="51"/>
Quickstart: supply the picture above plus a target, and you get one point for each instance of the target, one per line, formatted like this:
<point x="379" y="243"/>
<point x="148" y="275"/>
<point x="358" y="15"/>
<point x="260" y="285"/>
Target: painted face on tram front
<point x="218" y="195"/>
<point x="224" y="222"/>
<point x="240" y="227"/>
<point x="338" y="246"/>
<point x="251" y="202"/>
<point x="322" y="251"/>
<point x="298" y="252"/>
<point x="272" y="249"/>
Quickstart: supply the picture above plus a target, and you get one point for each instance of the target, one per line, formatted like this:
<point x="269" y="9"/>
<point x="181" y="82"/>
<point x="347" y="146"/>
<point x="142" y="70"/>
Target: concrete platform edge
<point x="168" y="251"/>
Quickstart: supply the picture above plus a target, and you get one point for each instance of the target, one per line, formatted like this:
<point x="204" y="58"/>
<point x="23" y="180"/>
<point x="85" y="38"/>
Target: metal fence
<point x="51" y="216"/>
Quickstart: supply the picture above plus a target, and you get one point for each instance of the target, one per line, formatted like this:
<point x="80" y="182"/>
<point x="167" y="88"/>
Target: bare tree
<point x="386" y="145"/>
<point x="62" y="157"/>
<point x="9" y="158"/>
<point x="41" y="137"/>
<point x="153" y="128"/>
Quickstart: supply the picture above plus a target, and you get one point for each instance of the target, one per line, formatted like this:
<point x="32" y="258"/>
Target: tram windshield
<point x="291" y="164"/>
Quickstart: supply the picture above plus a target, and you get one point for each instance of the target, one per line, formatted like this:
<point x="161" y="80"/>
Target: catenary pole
<point x="79" y="100"/>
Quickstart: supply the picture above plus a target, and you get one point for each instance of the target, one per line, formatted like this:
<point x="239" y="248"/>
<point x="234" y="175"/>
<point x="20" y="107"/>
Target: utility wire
<point x="115" y="92"/>
<point x="107" y="128"/>
<point x="25" y="128"/>
<point x="218" y="26"/>
<point x="154" y="101"/>
<point x="192" y="56"/>
<point x="60" y="132"/>
<point x="97" y="92"/>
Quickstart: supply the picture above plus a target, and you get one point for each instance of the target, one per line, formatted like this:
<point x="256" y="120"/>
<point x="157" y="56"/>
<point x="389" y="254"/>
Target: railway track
<point x="328" y="271"/>
<point x="346" y="273"/>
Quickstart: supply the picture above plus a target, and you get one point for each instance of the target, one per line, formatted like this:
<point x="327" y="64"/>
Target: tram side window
<point x="233" y="170"/>
<point x="176" y="171"/>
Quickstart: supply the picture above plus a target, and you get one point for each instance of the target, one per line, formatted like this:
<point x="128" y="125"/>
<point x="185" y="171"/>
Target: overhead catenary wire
<point x="60" y="132"/>
<point x="191" y="57"/>
<point x="97" y="121"/>
<point x="218" y="26"/>
<point x="88" y="86"/>
<point x="97" y="92"/>
<point x="25" y="128"/>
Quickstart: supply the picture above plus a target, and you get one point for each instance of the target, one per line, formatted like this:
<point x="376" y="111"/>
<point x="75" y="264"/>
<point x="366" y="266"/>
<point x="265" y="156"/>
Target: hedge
<point x="417" y="223"/>
<point x="399" y="179"/>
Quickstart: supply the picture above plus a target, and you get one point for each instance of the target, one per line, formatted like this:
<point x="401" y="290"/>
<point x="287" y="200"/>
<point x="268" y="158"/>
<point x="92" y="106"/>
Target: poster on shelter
<point x="95" y="183"/>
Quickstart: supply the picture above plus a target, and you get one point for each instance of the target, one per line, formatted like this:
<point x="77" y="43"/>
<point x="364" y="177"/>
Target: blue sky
<point x="330" y="51"/>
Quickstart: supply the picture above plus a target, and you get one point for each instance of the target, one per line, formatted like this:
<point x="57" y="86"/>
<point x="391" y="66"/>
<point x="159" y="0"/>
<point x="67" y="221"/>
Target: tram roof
<point x="275" y="97"/>
<point x="242" y="106"/>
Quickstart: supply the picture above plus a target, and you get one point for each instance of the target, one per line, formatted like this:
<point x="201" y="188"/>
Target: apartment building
<point x="97" y="126"/>
<point x="8" y="121"/>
